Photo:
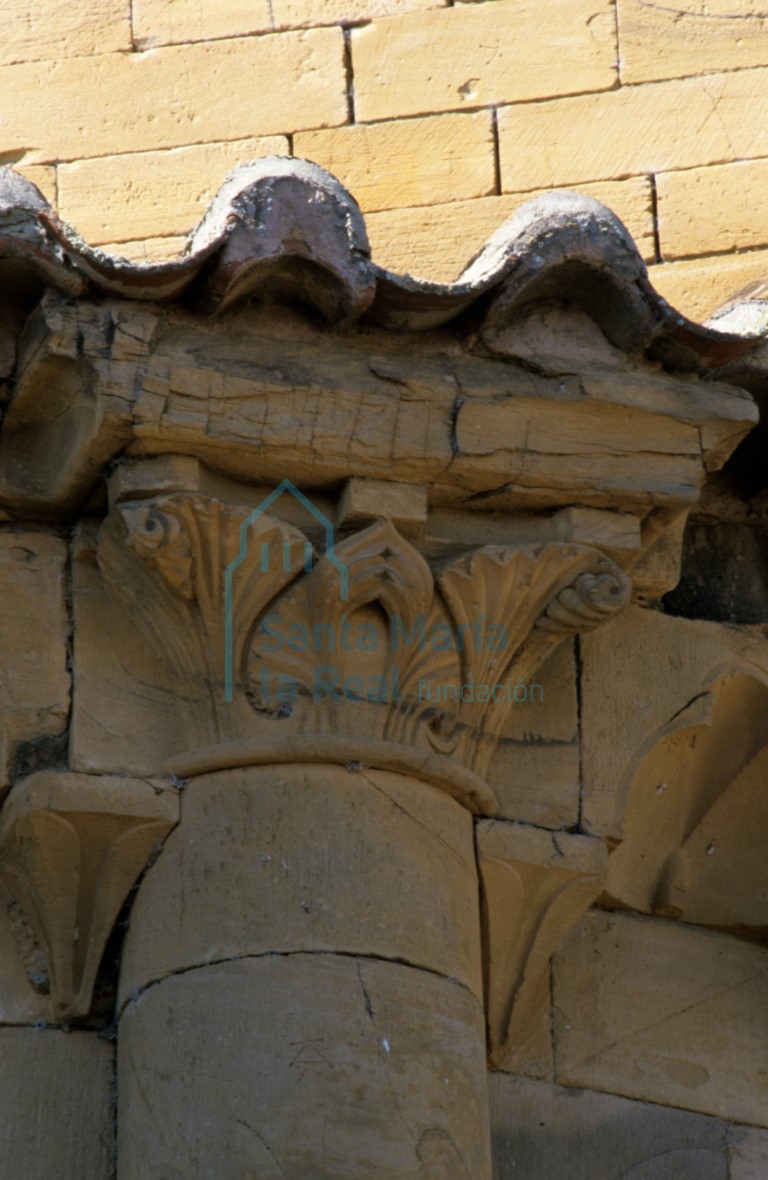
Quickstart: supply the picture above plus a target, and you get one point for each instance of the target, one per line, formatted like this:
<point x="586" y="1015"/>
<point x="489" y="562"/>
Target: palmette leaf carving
<point x="190" y="543"/>
<point x="535" y="886"/>
<point x="530" y="599"/>
<point x="381" y="571"/>
<point x="71" y="847"/>
<point x="365" y="642"/>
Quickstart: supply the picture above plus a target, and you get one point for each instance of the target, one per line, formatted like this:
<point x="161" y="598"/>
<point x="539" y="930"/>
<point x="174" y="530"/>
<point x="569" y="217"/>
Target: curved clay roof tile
<point x="285" y="228"/>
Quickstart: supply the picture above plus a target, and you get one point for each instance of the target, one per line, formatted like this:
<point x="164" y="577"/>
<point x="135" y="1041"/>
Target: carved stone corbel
<point x="535" y="885"/>
<point x="71" y="847"/>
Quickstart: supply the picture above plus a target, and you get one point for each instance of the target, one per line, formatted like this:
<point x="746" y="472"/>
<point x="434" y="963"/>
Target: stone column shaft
<point x="301" y="988"/>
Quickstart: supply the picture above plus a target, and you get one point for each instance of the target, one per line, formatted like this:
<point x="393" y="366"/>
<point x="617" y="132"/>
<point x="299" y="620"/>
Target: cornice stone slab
<point x="260" y="406"/>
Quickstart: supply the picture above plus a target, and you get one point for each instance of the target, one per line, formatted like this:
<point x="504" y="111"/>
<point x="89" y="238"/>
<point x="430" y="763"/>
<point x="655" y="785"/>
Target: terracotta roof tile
<point x="285" y="228"/>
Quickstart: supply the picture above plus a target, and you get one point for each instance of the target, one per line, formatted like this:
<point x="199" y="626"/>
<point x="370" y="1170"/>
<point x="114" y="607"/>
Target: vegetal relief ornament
<point x="371" y="642"/>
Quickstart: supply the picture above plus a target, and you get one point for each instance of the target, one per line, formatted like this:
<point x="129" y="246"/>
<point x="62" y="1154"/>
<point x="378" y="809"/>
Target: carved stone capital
<point x="71" y="847"/>
<point x="357" y="643"/>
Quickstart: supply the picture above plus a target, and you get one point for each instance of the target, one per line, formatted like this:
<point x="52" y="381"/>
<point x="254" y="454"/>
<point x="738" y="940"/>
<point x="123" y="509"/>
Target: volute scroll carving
<point x="367" y="643"/>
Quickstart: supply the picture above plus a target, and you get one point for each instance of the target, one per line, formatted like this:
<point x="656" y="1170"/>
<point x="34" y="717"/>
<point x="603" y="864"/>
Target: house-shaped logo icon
<point x="229" y="573"/>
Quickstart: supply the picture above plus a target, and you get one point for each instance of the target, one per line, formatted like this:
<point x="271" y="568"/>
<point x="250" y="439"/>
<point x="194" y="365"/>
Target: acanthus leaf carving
<point x="365" y="642"/>
<point x="225" y="564"/>
<point x="318" y="632"/>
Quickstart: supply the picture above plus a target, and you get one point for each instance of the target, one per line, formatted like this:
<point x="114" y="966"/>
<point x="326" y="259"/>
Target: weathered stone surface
<point x="165" y="559"/>
<point x="318" y="12"/>
<point x="719" y="875"/>
<point x="437" y="241"/>
<point x="147" y="589"/>
<point x="303" y="1065"/>
<point x="525" y="441"/>
<point x="676" y="124"/>
<point x="124" y="707"/>
<point x="43" y="175"/>
<point x="20" y="1002"/>
<point x="695" y="813"/>
<point x="550" y="715"/>
<point x="42" y="32"/>
<point x="365" y="500"/>
<point x="155" y="22"/>
<point x="71" y="847"/>
<point x="537" y="782"/>
<point x="55" y="1115"/>
<point x="733" y="589"/>
<point x="144" y="194"/>
<point x="544" y="1132"/>
<point x="747" y="1154"/>
<point x="689" y="38"/>
<point x="720" y="208"/>
<point x="154" y="97"/>
<point x="158" y="23"/>
<point x="620" y="725"/>
<point x="308" y="858"/>
<point x="146" y="249"/>
<point x="699" y="286"/>
<point x="667" y="1013"/>
<point x="34" y="630"/>
<point x="53" y="372"/>
<point x="475" y="60"/>
<point x="535" y="885"/>
<point x="414" y="162"/>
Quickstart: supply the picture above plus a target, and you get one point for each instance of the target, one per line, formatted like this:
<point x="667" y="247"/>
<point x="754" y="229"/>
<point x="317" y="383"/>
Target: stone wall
<point x="440" y="117"/>
<point x="638" y="1049"/>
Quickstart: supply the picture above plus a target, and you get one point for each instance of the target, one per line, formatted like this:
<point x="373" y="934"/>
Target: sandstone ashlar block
<point x="720" y="208"/>
<point x="321" y="12"/>
<point x="173" y="22"/>
<point x="674" y="42"/>
<point x="294" y="1065"/>
<point x="146" y="194"/>
<point x="363" y="501"/>
<point x="413" y="162"/>
<point x="124" y="708"/>
<point x="477" y="56"/>
<point x="637" y="129"/>
<point x="147" y="249"/>
<point x="539" y="747"/>
<point x="438" y="241"/>
<point x="748" y="1154"/>
<point x="545" y="1132"/>
<point x="695" y="814"/>
<point x="55" y="1117"/>
<point x="34" y="632"/>
<point x="44" y="176"/>
<point x="663" y="1012"/>
<point x="164" y="22"/>
<point x="537" y="782"/>
<point x="628" y="699"/>
<point x="155" y="97"/>
<point x="47" y="31"/>
<point x="549" y="715"/>
<point x="699" y="286"/>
